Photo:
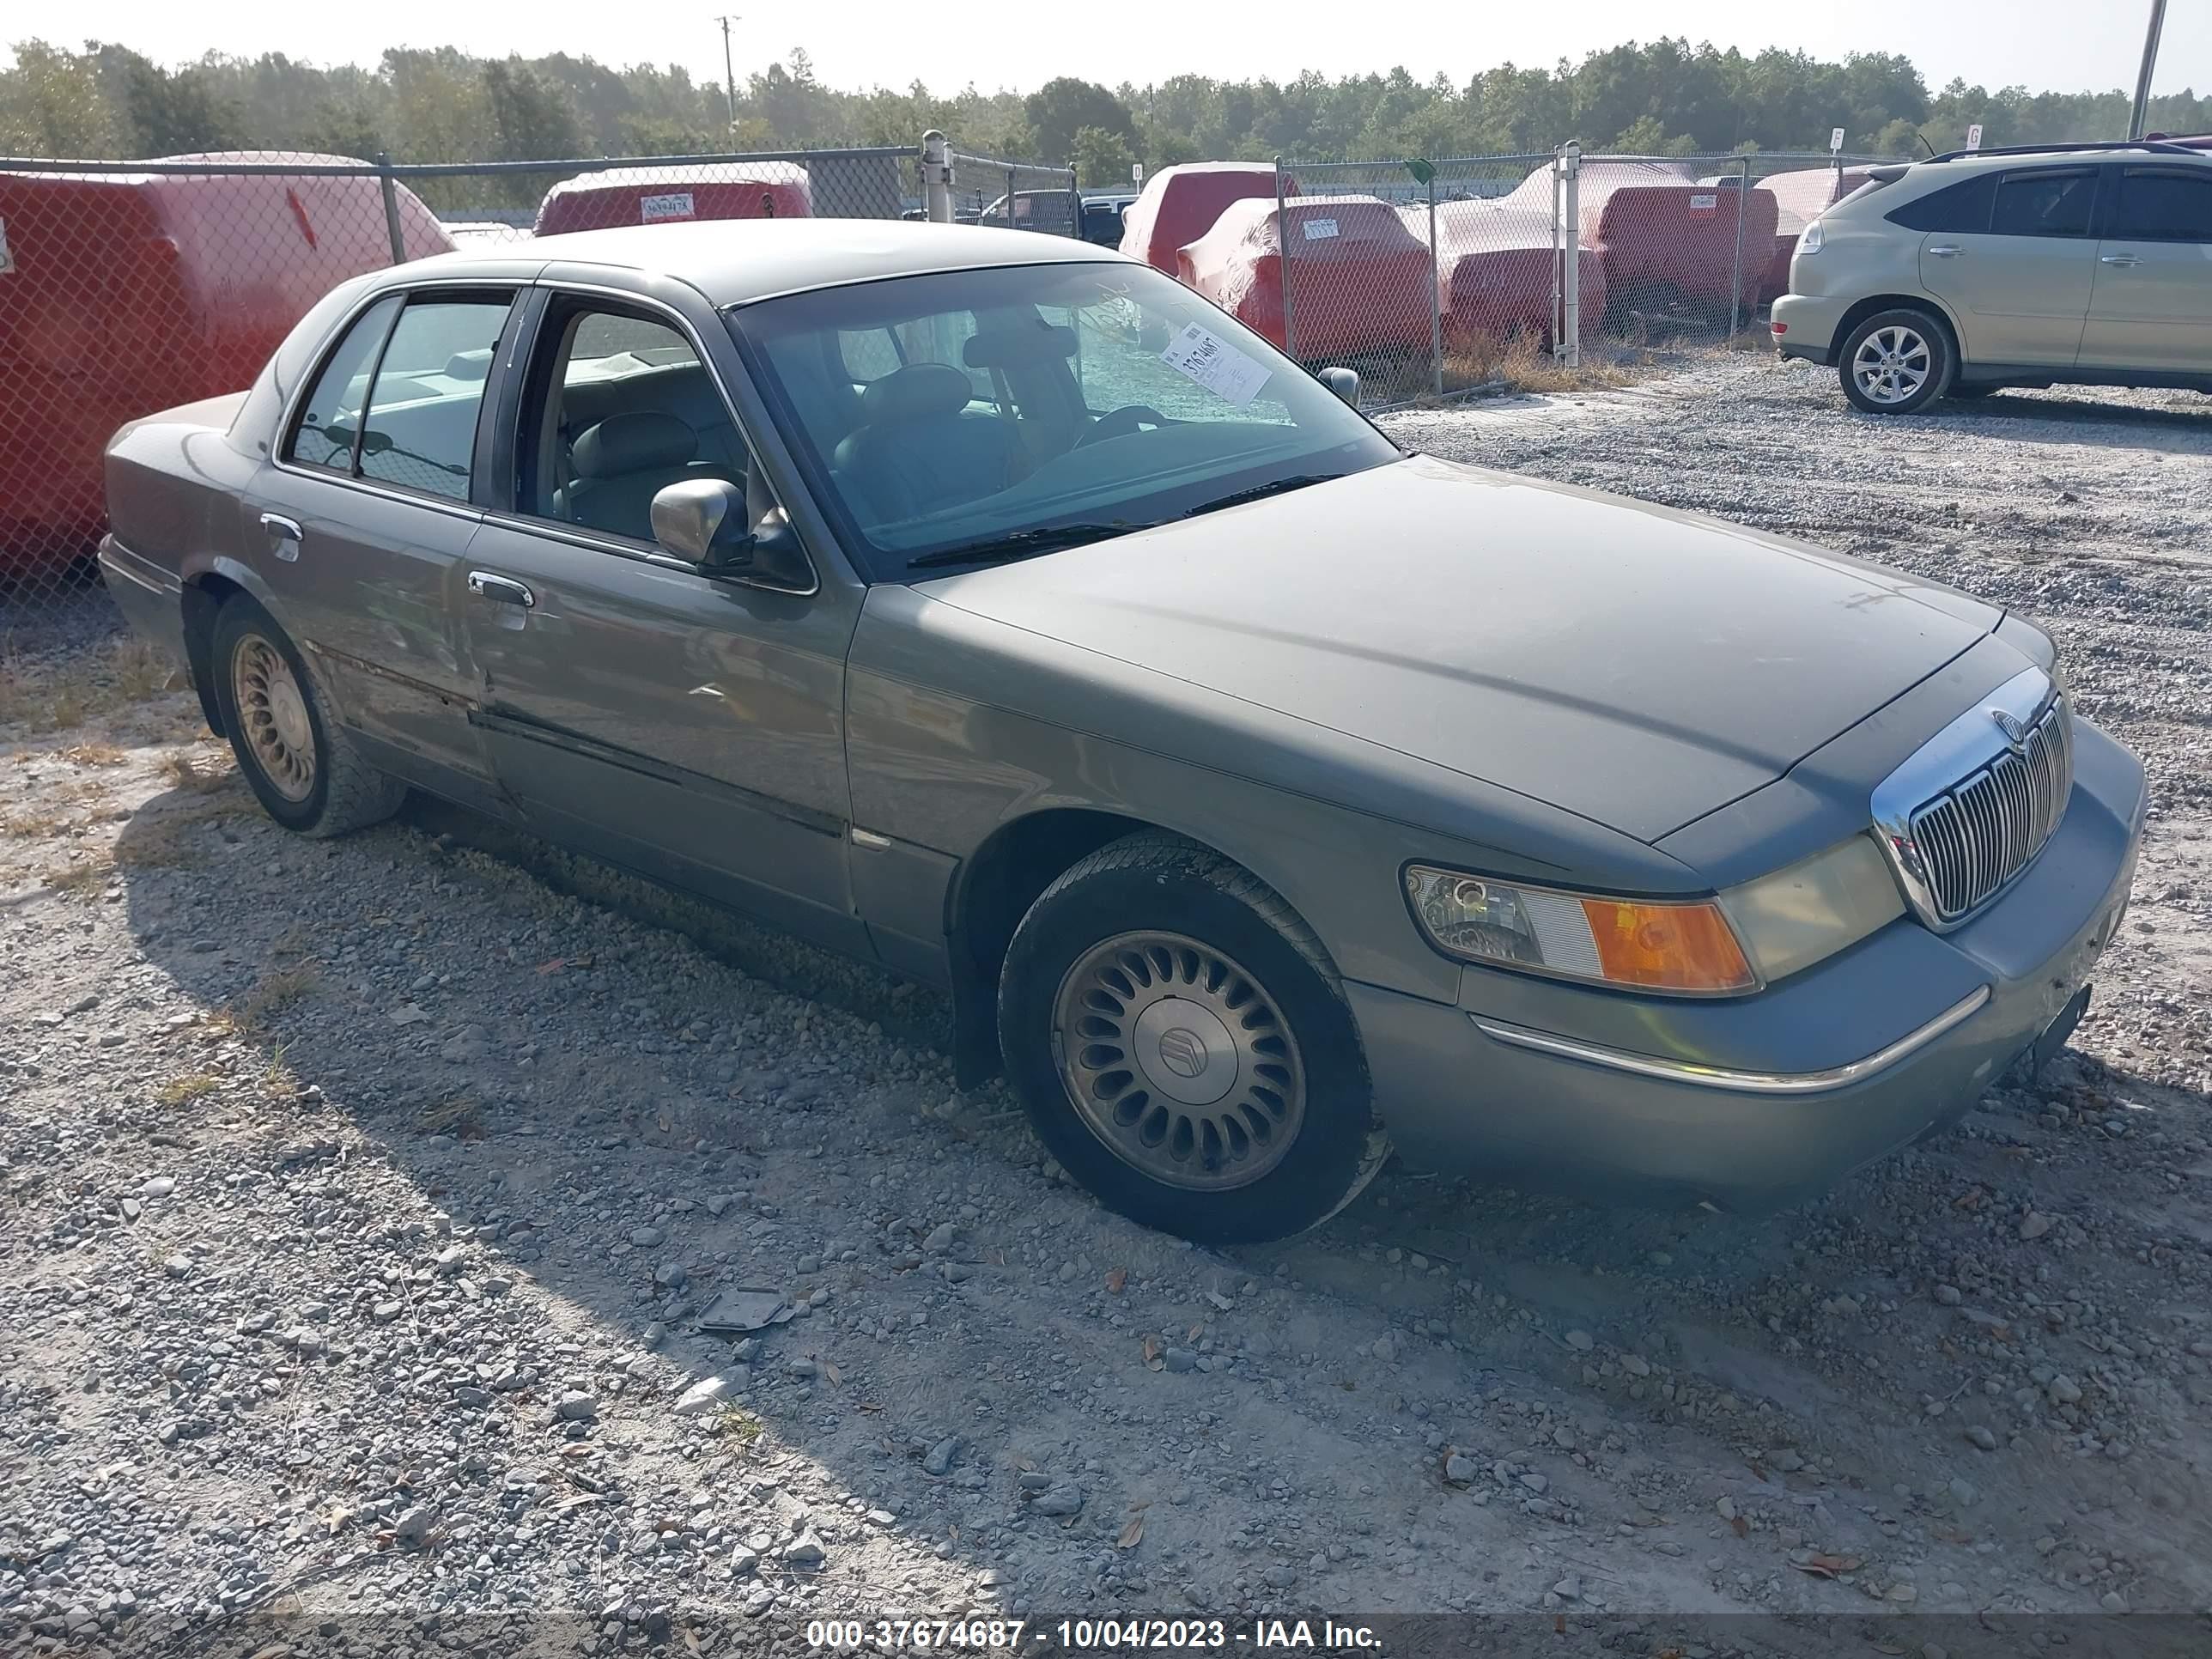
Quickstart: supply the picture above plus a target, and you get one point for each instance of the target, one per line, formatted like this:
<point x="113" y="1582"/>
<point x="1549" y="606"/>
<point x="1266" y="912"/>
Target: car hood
<point x="1631" y="664"/>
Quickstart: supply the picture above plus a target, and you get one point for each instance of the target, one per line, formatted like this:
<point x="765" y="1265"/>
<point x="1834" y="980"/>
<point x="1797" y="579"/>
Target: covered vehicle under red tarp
<point x="1179" y="205"/>
<point x="1359" y="278"/>
<point x="124" y="293"/>
<point x="1494" y="268"/>
<point x="1800" y="197"/>
<point x="1663" y="236"/>
<point x="652" y="196"/>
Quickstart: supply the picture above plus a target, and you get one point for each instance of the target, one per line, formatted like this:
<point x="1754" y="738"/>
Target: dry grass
<point x="188" y="775"/>
<point x="86" y="876"/>
<point x="1523" y="364"/>
<point x="461" y="1115"/>
<point x="277" y="988"/>
<point x="183" y="1091"/>
<point x="38" y="696"/>
<point x="33" y="826"/>
<point x="95" y="754"/>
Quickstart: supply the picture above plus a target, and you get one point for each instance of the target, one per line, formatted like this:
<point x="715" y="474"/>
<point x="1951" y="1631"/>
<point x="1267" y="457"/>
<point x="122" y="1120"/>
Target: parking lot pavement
<point x="360" y="1195"/>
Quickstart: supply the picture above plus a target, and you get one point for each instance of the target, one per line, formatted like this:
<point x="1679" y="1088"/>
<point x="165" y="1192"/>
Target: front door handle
<point x="500" y="590"/>
<point x="2122" y="259"/>
<point x="283" y="536"/>
<point x="1946" y="250"/>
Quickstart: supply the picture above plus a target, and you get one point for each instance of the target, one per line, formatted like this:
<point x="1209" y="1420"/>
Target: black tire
<point x="1926" y="350"/>
<point x="345" y="791"/>
<point x="1165" y="884"/>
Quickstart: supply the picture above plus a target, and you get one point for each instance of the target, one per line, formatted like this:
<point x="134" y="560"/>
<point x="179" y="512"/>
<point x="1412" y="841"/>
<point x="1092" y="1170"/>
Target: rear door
<point x="2013" y="257"/>
<point x="685" y="722"/>
<point x="2152" y="305"/>
<point x="361" y="520"/>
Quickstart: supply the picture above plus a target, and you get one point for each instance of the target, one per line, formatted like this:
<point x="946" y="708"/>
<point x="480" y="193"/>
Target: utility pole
<point x="2149" y="61"/>
<point x="729" y="75"/>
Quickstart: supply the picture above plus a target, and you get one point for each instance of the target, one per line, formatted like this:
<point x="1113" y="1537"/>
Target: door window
<point x="420" y="431"/>
<point x="331" y="419"/>
<point x="625" y="409"/>
<point x="2163" y="206"/>
<point x="2045" y="203"/>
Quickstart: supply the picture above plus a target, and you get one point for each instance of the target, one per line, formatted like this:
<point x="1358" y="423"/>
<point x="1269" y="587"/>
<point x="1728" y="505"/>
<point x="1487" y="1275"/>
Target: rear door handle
<point x="2122" y="259"/>
<point x="1948" y="251"/>
<point x="283" y="536"/>
<point x="500" y="590"/>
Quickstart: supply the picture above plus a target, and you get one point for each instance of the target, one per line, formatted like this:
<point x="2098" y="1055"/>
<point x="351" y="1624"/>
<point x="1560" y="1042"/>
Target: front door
<point x="2151" y="306"/>
<point x="687" y="724"/>
<point x="360" y="524"/>
<point x="2020" y="288"/>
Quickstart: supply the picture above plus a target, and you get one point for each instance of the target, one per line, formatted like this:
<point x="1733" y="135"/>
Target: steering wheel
<point x="1121" y="423"/>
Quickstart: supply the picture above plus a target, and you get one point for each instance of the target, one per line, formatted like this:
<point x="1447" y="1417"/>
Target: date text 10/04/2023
<point x="1087" y="1635"/>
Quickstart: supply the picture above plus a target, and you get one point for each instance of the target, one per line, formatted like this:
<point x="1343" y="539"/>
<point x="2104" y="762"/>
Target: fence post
<point x="1013" y="218"/>
<point x="1436" y="296"/>
<point x="1735" y="277"/>
<point x="1559" y="326"/>
<point x="1074" y="205"/>
<point x="1282" y="235"/>
<point x="936" y="178"/>
<point x="390" y="208"/>
<point x="1570" y="271"/>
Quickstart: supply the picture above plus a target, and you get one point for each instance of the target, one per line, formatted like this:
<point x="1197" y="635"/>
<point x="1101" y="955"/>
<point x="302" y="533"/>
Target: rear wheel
<point x="1183" y="1047"/>
<point x="303" y="768"/>
<point x="1897" y="362"/>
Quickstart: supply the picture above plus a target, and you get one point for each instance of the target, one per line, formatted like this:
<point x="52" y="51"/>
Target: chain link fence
<point x="132" y="287"/>
<point x="1430" y="277"/>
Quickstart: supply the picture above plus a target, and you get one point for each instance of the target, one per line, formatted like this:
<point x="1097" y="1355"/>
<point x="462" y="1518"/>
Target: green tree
<point x="1059" y="109"/>
<point x="531" y="118"/>
<point x="1101" y="158"/>
<point x="51" y="104"/>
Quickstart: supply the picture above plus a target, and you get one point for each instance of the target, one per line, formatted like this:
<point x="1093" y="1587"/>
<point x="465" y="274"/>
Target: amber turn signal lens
<point x="1668" y="947"/>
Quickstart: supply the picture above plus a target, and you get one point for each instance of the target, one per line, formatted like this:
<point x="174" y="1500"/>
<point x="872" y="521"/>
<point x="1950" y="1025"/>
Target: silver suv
<point x="2086" y="264"/>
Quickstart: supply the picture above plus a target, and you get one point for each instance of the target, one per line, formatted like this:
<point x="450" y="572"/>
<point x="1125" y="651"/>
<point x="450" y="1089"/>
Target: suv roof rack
<point x="2152" y="145"/>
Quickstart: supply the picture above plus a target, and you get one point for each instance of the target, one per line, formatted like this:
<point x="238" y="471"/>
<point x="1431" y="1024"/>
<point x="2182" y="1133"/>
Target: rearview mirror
<point x="703" y="521"/>
<point x="1345" y="382"/>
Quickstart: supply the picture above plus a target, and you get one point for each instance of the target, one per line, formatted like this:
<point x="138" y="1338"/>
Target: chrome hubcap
<point x="274" y="714"/>
<point x="1179" y="1061"/>
<point x="1892" y="364"/>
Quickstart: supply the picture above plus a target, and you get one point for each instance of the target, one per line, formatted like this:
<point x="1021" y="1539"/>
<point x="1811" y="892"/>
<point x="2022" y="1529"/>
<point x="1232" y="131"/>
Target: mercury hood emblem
<point x="2016" y="734"/>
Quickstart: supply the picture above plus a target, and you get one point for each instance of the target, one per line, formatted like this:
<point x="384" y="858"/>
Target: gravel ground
<point x="360" y="1199"/>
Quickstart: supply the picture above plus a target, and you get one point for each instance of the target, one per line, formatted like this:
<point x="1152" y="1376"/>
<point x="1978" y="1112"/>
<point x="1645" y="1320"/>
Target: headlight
<point x="1816" y="907"/>
<point x="1812" y="239"/>
<point x="1637" y="944"/>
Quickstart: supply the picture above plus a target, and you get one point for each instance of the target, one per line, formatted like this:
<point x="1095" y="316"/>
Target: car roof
<point x="2032" y="155"/>
<point x="733" y="261"/>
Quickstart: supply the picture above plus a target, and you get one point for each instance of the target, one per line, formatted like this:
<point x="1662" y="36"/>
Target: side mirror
<point x="703" y="521"/>
<point x="1345" y="382"/>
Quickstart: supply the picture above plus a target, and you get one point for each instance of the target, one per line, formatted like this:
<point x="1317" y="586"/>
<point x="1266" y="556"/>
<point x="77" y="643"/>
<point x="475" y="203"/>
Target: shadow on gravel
<point x="2051" y="418"/>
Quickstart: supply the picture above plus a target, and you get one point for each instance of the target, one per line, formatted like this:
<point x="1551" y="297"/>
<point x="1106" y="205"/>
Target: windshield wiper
<point x="1261" y="492"/>
<point x="1023" y="543"/>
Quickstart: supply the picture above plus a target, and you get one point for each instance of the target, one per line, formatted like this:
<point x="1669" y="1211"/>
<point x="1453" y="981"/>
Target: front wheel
<point x="1183" y="1048"/>
<point x="1897" y="362"/>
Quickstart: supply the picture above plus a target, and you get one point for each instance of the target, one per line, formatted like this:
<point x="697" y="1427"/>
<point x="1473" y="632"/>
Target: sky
<point x="2062" y="45"/>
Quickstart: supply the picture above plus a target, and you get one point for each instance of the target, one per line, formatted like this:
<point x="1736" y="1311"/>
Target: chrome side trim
<point x="1754" y="1082"/>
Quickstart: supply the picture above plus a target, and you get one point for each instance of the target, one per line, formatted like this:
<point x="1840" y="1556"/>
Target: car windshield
<point x="972" y="415"/>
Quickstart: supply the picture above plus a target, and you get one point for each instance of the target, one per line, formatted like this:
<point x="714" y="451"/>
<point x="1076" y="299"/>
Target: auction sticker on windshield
<point x="1200" y="355"/>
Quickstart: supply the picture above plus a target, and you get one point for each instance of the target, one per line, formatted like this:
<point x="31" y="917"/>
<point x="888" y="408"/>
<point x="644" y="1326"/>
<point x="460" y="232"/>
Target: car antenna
<point x="1925" y="145"/>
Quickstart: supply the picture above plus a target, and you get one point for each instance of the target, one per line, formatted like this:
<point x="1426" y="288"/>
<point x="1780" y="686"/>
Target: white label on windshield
<point x="7" y="259"/>
<point x="1317" y="229"/>
<point x="1204" y="356"/>
<point x="651" y="208"/>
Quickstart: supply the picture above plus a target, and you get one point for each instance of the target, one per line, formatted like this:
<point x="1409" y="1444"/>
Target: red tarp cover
<point x="647" y="196"/>
<point x="1180" y="204"/>
<point x="1359" y="279"/>
<point x="1799" y="198"/>
<point x="1661" y="233"/>
<point x="133" y="292"/>
<point x="1494" y="263"/>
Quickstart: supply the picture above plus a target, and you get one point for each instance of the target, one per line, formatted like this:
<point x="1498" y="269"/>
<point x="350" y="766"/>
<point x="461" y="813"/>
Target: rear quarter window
<point x="1962" y="209"/>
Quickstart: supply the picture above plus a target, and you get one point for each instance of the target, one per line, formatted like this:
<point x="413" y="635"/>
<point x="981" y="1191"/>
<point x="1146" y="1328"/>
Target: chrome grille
<point x="1981" y="832"/>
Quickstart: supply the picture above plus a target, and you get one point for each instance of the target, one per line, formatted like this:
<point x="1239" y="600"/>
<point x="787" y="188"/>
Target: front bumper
<point x="1809" y="322"/>
<point x="1761" y="1099"/>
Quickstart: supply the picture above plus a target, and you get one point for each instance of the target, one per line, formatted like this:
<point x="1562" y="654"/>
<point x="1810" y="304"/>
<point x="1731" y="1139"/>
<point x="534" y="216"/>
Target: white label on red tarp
<point x="1318" y="229"/>
<point x="1703" y="205"/>
<point x="652" y="208"/>
<point x="1200" y="355"/>
<point x="7" y="259"/>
